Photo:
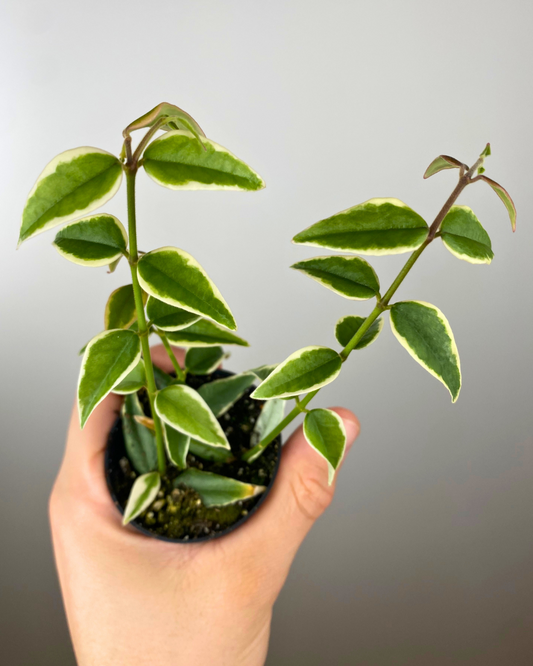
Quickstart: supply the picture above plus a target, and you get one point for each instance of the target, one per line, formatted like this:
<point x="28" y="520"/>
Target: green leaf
<point x="217" y="490"/>
<point x="212" y="453"/>
<point x="203" y="360"/>
<point x="139" y="441"/>
<point x="348" y="326"/>
<point x="176" y="119"/>
<point x="133" y="382"/>
<point x="167" y="317"/>
<point x="94" y="241"/>
<point x="307" y="369"/>
<point x="351" y="277"/>
<point x="108" y="359"/>
<point x="464" y="236"/>
<point x="263" y="371"/>
<point x="185" y="410"/>
<point x="73" y="184"/>
<point x="177" y="446"/>
<point x="205" y="333"/>
<point x="426" y="334"/>
<point x="179" y="161"/>
<point x="272" y="414"/>
<point x="440" y="163"/>
<point x="162" y="379"/>
<point x="171" y="275"/>
<point x="221" y="394"/>
<point x="120" y="308"/>
<point x="113" y="265"/>
<point x="143" y="493"/>
<point x="324" y="431"/>
<point x="377" y="226"/>
<point x="505" y="197"/>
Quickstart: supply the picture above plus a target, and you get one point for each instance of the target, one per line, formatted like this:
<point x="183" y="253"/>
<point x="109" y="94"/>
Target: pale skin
<point x="130" y="599"/>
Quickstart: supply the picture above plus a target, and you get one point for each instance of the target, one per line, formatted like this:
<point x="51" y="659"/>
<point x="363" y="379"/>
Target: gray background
<point x="425" y="556"/>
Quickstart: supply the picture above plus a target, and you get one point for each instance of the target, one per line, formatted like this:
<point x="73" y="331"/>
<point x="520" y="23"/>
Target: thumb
<point x="300" y="495"/>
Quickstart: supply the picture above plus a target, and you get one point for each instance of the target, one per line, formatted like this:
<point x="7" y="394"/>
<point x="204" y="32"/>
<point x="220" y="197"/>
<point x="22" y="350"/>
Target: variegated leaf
<point x="221" y="394"/>
<point x="204" y="333"/>
<point x="271" y="416"/>
<point x="464" y="237"/>
<point x="94" y="241"/>
<point x="203" y="360"/>
<point x="133" y="381"/>
<point x="324" y="430"/>
<point x="167" y="317"/>
<point x="142" y="494"/>
<point x="348" y="326"/>
<point x="351" y="277"/>
<point x="440" y="163"/>
<point x="217" y="490"/>
<point x="177" y="446"/>
<point x="139" y="441"/>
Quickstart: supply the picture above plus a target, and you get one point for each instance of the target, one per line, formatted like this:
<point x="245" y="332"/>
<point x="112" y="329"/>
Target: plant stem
<point x="382" y="305"/>
<point x="131" y="172"/>
<point x="179" y="372"/>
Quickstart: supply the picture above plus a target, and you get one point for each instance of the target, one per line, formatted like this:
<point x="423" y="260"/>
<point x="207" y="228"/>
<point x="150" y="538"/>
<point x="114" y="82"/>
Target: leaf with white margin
<point x="426" y="334"/>
<point x="133" y="382"/>
<point x="177" y="446"/>
<point x="217" y="490"/>
<point x="120" y="309"/>
<point x="176" y="119"/>
<point x="306" y="370"/>
<point x="348" y="326"/>
<point x="73" y="184"/>
<point x="108" y="359"/>
<point x="324" y="431"/>
<point x="139" y="441"/>
<point x="142" y="494"/>
<point x="221" y="394"/>
<point x="204" y="333"/>
<point x="185" y="410"/>
<point x="375" y="227"/>
<point x="171" y="275"/>
<point x="212" y="453"/>
<point x="271" y="416"/>
<point x="351" y="277"/>
<point x="203" y="360"/>
<point x="97" y="240"/>
<point x="167" y="317"/>
<point x="440" y="163"/>
<point x="505" y="197"/>
<point x="464" y="237"/>
<point x="179" y="161"/>
<point x="263" y="371"/>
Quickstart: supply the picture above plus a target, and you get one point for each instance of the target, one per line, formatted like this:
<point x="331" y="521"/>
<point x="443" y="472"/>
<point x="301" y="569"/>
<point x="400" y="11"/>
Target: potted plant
<point x="194" y="453"/>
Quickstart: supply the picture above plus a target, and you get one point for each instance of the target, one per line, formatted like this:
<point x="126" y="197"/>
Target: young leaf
<point x="174" y="277"/>
<point x="221" y="394"/>
<point x="351" y="277"/>
<point x="133" y="381"/>
<point x="271" y="416"/>
<point x="505" y="197"/>
<point x="139" y="441"/>
<point x="440" y="163"/>
<point x="108" y="359"/>
<point x="377" y="226"/>
<point x="167" y="317"/>
<point x="185" y="410"/>
<point x="73" y="184"/>
<point x="179" y="161"/>
<point x="307" y="369"/>
<point x="207" y="452"/>
<point x="177" y="446"/>
<point x="426" y="334"/>
<point x="180" y="119"/>
<point x="143" y="493"/>
<point x="324" y="431"/>
<point x="263" y="371"/>
<point x="203" y="360"/>
<point x="113" y="265"/>
<point x="217" y="490"/>
<point x="348" y="326"/>
<point x="204" y="333"/>
<point x="120" y="308"/>
<point x="464" y="236"/>
<point x="94" y="241"/>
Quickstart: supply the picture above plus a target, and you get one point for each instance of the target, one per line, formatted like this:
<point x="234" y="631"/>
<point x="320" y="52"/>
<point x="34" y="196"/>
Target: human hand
<point x="131" y="599"/>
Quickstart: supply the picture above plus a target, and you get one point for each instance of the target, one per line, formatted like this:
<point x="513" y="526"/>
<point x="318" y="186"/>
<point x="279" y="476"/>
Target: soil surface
<point x="178" y="512"/>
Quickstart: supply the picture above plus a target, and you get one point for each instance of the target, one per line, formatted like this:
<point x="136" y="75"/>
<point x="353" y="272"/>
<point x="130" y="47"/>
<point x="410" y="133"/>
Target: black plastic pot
<point x="116" y="451"/>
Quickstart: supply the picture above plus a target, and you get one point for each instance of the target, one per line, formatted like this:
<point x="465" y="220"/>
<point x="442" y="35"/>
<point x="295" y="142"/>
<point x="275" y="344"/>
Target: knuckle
<point x="311" y="493"/>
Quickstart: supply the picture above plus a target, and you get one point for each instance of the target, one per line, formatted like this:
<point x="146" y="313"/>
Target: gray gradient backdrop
<point x="426" y="555"/>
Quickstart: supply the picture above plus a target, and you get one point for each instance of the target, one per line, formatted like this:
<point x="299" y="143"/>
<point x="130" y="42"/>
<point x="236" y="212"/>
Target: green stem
<point x="179" y="372"/>
<point x="382" y="305"/>
<point x="141" y="319"/>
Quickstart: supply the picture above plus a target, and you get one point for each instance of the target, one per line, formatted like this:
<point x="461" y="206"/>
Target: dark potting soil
<point x="178" y="512"/>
